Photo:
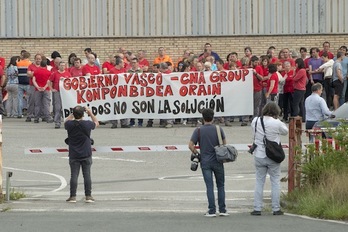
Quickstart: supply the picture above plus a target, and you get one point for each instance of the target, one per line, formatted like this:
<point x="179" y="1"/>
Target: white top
<point x="273" y="127"/>
<point x="327" y="68"/>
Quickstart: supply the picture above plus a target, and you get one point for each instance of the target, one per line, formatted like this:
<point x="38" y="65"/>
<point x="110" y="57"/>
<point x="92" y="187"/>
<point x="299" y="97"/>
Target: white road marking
<point x="114" y="159"/>
<point x="62" y="180"/>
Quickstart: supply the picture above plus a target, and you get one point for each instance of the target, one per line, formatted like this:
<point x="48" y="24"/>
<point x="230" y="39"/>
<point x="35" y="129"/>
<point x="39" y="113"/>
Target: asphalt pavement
<point x="134" y="191"/>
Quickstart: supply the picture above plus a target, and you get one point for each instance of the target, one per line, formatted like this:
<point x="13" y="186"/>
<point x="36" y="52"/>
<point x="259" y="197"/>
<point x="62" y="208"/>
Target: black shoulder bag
<point x="274" y="151"/>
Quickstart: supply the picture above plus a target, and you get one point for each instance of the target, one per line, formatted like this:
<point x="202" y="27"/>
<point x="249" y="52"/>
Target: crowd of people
<point x="31" y="87"/>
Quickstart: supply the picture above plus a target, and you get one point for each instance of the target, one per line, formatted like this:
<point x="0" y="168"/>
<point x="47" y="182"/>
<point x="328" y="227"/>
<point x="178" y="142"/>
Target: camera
<point x="252" y="148"/>
<point x="195" y="159"/>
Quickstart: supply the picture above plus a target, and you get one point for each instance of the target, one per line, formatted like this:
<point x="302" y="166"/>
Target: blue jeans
<point x="264" y="166"/>
<point x="219" y="173"/>
<point x="21" y="90"/>
<point x="75" y="165"/>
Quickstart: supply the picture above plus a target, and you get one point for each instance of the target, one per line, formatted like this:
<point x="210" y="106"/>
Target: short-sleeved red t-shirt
<point x="55" y="77"/>
<point x="42" y="75"/>
<point x="93" y="70"/>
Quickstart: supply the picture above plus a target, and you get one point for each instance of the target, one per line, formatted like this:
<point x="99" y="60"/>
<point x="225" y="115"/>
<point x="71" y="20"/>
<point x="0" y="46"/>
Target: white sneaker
<point x="207" y="214"/>
<point x="184" y="122"/>
<point x="225" y="214"/>
<point x="169" y="125"/>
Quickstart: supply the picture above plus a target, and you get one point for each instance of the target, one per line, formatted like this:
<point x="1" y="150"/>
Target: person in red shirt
<point x="31" y="91"/>
<point x="119" y="67"/>
<point x="257" y="84"/>
<point x="300" y="80"/>
<point x="143" y="62"/>
<point x="271" y="54"/>
<point x="52" y="63"/>
<point x="42" y="93"/>
<point x="326" y="48"/>
<point x="76" y="70"/>
<point x="108" y="65"/>
<point x="232" y="57"/>
<point x="2" y="62"/>
<point x="90" y="68"/>
<point x="288" y="74"/>
<point x="193" y="62"/>
<point x="264" y="65"/>
<point x="56" y="62"/>
<point x="286" y="57"/>
<point x="272" y="84"/>
<point x="248" y="52"/>
<point x="54" y="86"/>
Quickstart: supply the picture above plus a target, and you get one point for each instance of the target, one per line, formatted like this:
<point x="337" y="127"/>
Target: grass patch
<point x="16" y="195"/>
<point x="328" y="199"/>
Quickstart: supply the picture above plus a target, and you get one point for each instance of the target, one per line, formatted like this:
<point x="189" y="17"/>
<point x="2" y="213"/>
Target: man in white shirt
<point x="327" y="69"/>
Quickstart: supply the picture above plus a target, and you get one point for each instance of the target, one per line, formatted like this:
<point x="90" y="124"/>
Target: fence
<point x="139" y="18"/>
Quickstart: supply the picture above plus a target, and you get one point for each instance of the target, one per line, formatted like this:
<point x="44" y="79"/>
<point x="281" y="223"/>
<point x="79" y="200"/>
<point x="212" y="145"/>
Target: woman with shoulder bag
<point x="273" y="128"/>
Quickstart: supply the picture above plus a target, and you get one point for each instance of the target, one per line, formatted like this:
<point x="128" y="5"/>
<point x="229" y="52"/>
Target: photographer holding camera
<point x="207" y="137"/>
<point x="80" y="149"/>
<point x="263" y="165"/>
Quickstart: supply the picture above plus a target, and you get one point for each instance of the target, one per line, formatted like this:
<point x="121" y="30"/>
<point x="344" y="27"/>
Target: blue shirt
<point x="12" y="74"/>
<point x="344" y="64"/>
<point x="316" y="108"/>
<point x="337" y="65"/>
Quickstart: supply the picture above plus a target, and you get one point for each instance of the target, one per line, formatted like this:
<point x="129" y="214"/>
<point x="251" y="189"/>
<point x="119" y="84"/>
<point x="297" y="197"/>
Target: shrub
<point x="324" y="180"/>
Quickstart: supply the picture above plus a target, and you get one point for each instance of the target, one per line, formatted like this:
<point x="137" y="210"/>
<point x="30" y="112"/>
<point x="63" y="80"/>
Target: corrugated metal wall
<point x="136" y="18"/>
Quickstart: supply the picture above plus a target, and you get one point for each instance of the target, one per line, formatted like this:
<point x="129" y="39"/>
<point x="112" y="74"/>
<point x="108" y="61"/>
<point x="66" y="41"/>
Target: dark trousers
<point x="297" y="103"/>
<point x="287" y="105"/>
<point x="328" y="92"/>
<point x="75" y="165"/>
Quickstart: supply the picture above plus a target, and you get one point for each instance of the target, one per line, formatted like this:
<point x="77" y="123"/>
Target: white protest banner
<point x="160" y="96"/>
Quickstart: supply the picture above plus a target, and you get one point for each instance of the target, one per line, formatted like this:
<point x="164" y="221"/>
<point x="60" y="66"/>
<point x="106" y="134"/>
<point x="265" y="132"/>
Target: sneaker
<point x="169" y="125"/>
<point x="113" y="126"/>
<point x="279" y="212"/>
<point x="184" y="122"/>
<point x="244" y="124"/>
<point x="89" y="199"/>
<point x="49" y="120"/>
<point x="207" y="214"/>
<point x="56" y="126"/>
<point x="224" y="214"/>
<point x="149" y="124"/>
<point x="125" y="126"/>
<point x="256" y="213"/>
<point x="36" y="121"/>
<point x="71" y="200"/>
<point x="28" y="119"/>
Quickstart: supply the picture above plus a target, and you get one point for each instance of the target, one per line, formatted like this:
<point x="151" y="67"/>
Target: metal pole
<point x="8" y="185"/>
<point x="292" y="144"/>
